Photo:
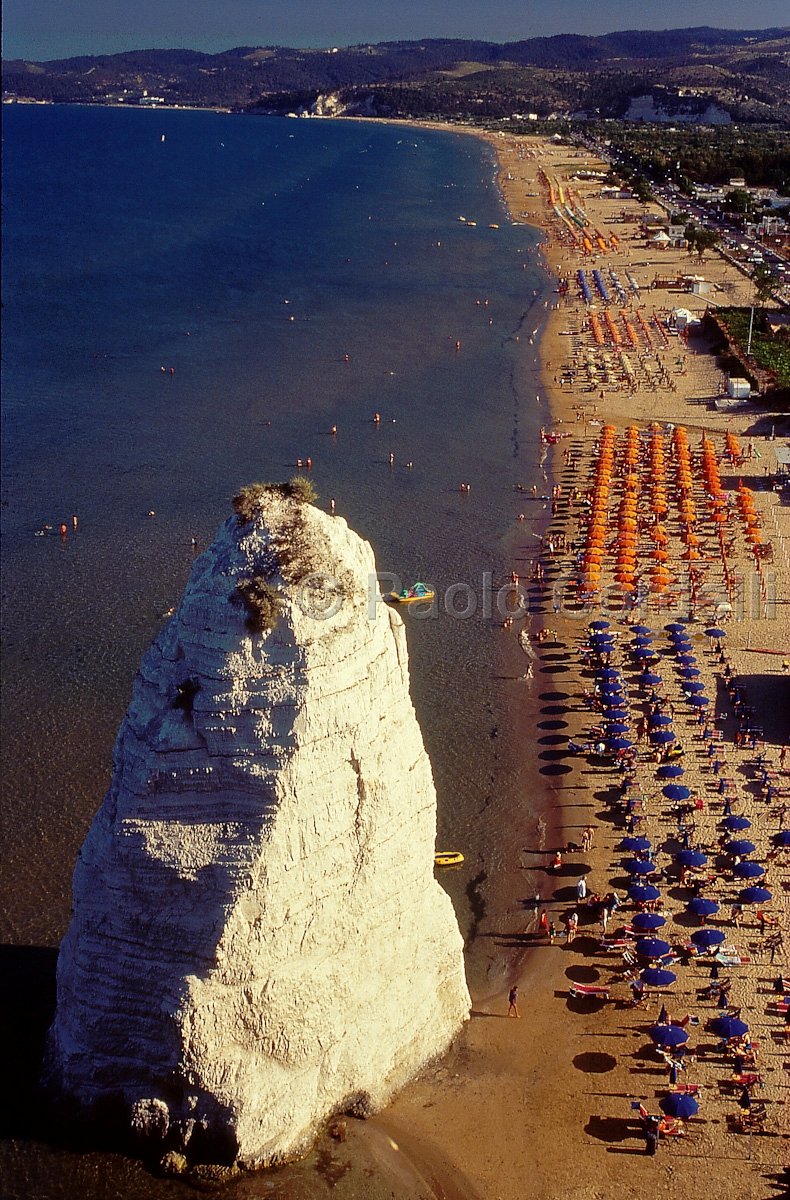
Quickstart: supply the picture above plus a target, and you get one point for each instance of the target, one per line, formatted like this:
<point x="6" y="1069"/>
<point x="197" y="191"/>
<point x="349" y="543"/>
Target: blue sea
<point x="192" y="301"/>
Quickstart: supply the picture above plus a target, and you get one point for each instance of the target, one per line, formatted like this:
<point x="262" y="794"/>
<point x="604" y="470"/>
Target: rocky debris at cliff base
<point x="258" y="941"/>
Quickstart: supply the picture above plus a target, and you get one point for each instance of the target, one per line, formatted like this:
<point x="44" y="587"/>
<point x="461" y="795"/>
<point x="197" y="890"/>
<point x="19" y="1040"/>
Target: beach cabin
<point x="738" y="389"/>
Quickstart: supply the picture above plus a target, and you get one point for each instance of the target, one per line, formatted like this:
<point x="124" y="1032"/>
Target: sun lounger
<point x="687" y="1089"/>
<point x="732" y="960"/>
<point x="579" y="991"/>
<point x="748" y="1079"/>
<point x="668" y="1128"/>
<point x="753" y="1120"/>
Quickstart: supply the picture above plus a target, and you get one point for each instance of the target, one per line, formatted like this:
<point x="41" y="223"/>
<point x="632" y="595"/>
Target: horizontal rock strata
<point x="258" y="940"/>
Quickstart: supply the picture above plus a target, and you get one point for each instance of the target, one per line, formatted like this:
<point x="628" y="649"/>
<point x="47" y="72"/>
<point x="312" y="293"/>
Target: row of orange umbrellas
<point x="598" y="523"/>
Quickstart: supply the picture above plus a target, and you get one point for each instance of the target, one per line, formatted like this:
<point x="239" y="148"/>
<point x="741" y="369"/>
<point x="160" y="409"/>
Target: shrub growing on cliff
<point x="301" y="489"/>
<point x="261" y="602"/>
<point x="247" y="502"/>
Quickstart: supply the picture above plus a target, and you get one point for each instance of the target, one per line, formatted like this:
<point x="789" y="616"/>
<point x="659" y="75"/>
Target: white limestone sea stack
<point x="258" y="941"/>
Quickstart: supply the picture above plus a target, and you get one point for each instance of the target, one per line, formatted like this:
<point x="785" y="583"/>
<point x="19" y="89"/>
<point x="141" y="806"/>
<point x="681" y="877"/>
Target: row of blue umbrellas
<point x="674" y="627"/>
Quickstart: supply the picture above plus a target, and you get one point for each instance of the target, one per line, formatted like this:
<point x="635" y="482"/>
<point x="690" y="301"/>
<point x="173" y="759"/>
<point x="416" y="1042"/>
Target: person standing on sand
<point x="512" y="1001"/>
<point x="581" y="888"/>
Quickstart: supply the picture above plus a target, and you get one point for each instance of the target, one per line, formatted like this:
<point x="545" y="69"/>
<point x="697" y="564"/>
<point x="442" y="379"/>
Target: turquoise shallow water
<point x="251" y="256"/>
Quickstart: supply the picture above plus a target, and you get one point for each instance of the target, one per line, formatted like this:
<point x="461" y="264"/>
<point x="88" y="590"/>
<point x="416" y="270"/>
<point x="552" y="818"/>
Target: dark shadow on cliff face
<point x="27" y="1007"/>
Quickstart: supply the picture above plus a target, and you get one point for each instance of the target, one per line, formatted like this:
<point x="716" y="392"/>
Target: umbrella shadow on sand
<point x="594" y="1062"/>
<point x="581" y="974"/>
<point x="612" y="1129"/>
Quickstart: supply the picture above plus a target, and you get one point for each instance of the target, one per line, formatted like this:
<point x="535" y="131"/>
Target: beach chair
<point x="713" y="988"/>
<point x="580" y="991"/>
<point x="732" y="960"/>
<point x="687" y="1089"/>
<point x="748" y="1079"/>
<point x="752" y="1120"/>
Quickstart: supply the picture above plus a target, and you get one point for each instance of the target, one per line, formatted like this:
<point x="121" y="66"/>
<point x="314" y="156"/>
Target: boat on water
<point x="493" y="227"/>
<point x="448" y="858"/>
<point x="418" y="592"/>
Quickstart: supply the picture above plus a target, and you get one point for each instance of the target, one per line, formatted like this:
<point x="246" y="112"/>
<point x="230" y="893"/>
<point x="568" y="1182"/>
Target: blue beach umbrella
<point x="748" y="869"/>
<point x="601" y="637"/>
<point x="608" y="673"/>
<point x="662" y="736"/>
<point x="671" y="771"/>
<point x="617" y="727"/>
<point x="700" y="907"/>
<point x="598" y="625"/>
<point x="755" y="895"/>
<point x="699" y="701"/>
<point x="782" y="838"/>
<point x="676" y="628"/>
<point x="659" y="719"/>
<point x="615" y="712"/>
<point x="642" y="629"/>
<point x="691" y="858"/>
<point x="733" y="824"/>
<point x="692" y="686"/>
<point x="644" y="653"/>
<point x="648" y="920"/>
<point x="686" y="660"/>
<point x="668" y="1035"/>
<point x="707" y="938"/>
<point x="650" y="679"/>
<point x="619" y="743"/>
<point x="636" y="844"/>
<point x="652" y="947"/>
<point x="729" y="1027"/>
<point x="680" y="645"/>
<point x="643" y="893"/>
<point x="688" y="672"/>
<point x="657" y="977"/>
<point x="676" y="791"/>
<point x="715" y="633"/>
<point x="639" y="866"/>
<point x="678" y="1104"/>
<point x="740" y="847"/>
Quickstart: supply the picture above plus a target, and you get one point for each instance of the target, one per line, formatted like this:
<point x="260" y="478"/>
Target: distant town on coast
<point x="696" y="119"/>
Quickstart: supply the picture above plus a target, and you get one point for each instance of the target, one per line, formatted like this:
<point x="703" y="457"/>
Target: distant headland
<point x="681" y="75"/>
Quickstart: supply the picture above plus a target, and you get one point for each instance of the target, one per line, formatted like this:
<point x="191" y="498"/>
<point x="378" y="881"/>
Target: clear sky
<point x="41" y="29"/>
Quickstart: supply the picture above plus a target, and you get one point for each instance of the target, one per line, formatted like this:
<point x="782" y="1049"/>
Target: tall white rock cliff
<point x="258" y="940"/>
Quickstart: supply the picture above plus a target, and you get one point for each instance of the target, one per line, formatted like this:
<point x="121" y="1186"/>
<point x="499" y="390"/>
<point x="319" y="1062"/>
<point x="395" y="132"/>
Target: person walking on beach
<point x="512" y="1001"/>
<point x="581" y="888"/>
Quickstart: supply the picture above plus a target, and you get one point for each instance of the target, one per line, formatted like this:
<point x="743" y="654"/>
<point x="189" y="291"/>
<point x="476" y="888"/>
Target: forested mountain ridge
<point x="744" y="73"/>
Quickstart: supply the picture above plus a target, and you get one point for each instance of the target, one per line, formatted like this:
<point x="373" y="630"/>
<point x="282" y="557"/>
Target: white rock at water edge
<point x="258" y="940"/>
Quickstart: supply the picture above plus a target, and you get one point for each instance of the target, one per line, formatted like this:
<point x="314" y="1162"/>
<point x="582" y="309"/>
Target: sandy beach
<point x="548" y="1105"/>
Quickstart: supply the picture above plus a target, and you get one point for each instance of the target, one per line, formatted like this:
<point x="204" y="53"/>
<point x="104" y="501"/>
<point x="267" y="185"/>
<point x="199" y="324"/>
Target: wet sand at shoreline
<point x="543" y="1107"/>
